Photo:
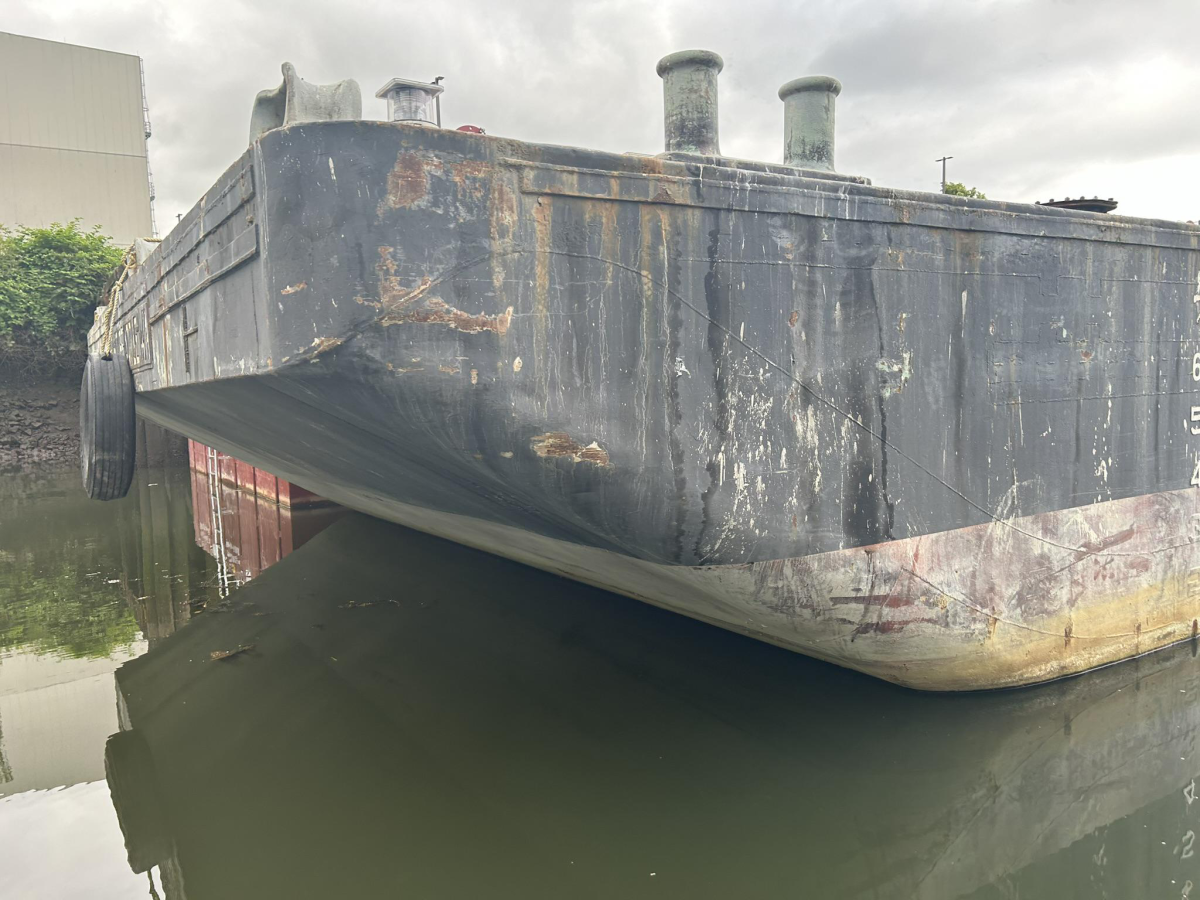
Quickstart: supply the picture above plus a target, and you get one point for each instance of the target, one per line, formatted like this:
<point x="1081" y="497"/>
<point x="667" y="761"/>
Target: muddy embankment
<point x="39" y="424"/>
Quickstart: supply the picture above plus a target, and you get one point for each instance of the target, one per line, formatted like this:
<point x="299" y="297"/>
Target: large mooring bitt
<point x="690" y="111"/>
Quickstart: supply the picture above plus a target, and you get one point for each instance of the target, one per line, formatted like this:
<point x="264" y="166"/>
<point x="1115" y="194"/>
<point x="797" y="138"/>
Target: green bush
<point x="958" y="189"/>
<point x="50" y="279"/>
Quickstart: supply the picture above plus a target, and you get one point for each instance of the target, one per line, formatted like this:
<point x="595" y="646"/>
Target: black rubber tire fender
<point x="107" y="435"/>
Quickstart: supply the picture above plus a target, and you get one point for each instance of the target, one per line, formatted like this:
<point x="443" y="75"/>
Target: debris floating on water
<point x="226" y="654"/>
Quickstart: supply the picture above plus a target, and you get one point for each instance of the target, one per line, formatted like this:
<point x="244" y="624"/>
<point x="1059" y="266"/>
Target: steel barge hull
<point x="951" y="443"/>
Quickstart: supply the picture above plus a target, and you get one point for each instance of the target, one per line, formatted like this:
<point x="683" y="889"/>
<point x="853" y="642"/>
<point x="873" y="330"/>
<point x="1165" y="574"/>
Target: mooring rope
<point x="129" y="263"/>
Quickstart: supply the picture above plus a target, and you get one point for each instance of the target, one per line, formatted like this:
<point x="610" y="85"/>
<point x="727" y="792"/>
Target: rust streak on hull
<point x="438" y="312"/>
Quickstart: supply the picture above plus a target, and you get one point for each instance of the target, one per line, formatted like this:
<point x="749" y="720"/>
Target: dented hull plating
<point x="946" y="442"/>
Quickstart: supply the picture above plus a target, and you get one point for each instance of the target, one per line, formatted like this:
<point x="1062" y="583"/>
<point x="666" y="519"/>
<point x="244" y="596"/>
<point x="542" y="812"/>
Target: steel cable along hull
<point x="946" y="442"/>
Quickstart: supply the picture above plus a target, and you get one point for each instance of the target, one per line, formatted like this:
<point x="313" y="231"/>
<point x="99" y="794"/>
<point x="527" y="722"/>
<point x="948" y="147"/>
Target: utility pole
<point x="943" y="162"/>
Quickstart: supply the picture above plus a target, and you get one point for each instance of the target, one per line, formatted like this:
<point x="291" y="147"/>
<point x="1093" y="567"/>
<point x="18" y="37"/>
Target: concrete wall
<point x="72" y="138"/>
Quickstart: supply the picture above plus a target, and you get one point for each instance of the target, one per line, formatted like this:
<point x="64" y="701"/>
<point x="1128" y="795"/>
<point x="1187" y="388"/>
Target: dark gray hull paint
<point x="685" y="365"/>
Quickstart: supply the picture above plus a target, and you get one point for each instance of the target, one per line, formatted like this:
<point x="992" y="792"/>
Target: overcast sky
<point x="1033" y="98"/>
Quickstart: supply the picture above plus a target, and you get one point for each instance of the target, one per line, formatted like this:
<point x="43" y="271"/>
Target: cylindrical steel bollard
<point x="690" y="101"/>
<point x="808" y="119"/>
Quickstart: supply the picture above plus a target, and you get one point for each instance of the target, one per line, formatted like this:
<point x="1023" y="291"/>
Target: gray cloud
<point x="1033" y="98"/>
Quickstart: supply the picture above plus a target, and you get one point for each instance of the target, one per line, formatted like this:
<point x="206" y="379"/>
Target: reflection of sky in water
<point x="63" y="844"/>
<point x="55" y="715"/>
<point x="74" y="578"/>
<point x="85" y="587"/>
<point x="59" y="836"/>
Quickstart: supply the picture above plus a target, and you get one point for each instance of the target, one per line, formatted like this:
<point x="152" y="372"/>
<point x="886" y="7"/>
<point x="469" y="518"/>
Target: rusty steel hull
<point x="946" y="442"/>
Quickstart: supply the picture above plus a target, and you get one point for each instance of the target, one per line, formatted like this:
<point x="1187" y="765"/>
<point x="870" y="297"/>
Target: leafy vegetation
<point x="50" y="279"/>
<point x="958" y="189"/>
<point x="63" y="611"/>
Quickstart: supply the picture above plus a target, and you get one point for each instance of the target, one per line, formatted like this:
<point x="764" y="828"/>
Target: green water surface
<point x="420" y="720"/>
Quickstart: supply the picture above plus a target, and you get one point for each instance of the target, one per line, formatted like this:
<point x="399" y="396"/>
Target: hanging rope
<point x="129" y="264"/>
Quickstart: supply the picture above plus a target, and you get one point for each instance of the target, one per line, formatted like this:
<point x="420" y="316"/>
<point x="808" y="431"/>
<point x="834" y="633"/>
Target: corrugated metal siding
<point x="72" y="140"/>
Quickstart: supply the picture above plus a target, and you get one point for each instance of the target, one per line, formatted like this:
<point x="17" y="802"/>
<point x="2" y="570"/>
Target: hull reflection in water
<point x="419" y="719"/>
<point x="247" y="519"/>
<point x="84" y="587"/>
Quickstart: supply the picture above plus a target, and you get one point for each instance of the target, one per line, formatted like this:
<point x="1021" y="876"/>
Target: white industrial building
<point x="73" y="129"/>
